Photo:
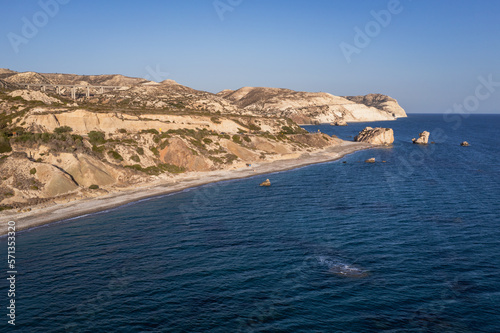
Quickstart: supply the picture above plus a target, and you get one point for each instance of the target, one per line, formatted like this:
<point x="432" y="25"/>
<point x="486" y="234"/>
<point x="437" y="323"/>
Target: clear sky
<point x="426" y="54"/>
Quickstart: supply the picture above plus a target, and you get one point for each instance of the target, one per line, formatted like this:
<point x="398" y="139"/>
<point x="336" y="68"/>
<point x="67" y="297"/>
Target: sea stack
<point x="266" y="183"/>
<point x="376" y="136"/>
<point x="339" y="122"/>
<point x="423" y="138"/>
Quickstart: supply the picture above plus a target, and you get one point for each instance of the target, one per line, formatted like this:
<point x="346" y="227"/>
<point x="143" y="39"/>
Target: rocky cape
<point x="301" y="107"/>
<point x="314" y="108"/>
<point x="56" y="149"/>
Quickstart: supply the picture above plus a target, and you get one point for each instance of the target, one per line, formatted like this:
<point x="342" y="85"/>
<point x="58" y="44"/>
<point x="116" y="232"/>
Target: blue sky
<point x="429" y="56"/>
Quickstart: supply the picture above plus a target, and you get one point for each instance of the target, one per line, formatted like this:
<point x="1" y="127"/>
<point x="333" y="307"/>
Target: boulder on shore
<point x="465" y="144"/>
<point x="423" y="138"/>
<point x="376" y="136"/>
<point x="266" y="183"/>
<point x="339" y="122"/>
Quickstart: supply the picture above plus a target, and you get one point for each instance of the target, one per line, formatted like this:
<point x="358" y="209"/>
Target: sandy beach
<point x="76" y="208"/>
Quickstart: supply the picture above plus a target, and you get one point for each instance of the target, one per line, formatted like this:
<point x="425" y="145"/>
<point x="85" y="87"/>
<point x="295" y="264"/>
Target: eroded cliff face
<point x="54" y="148"/>
<point x="381" y="102"/>
<point x="62" y="156"/>
<point x="307" y="108"/>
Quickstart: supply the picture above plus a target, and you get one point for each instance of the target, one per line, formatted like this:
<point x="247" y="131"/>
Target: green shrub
<point x="254" y="127"/>
<point x="216" y="159"/>
<point x="122" y="130"/>
<point x="98" y="149"/>
<point x="155" y="151"/>
<point x="115" y="155"/>
<point x="150" y="131"/>
<point x="164" y="144"/>
<point x="33" y="171"/>
<point x="140" y="151"/>
<point x="236" y="138"/>
<point x="156" y="170"/>
<point x="5" y="146"/>
<point x="63" y="129"/>
<point x="94" y="187"/>
<point x="207" y="141"/>
<point x="135" y="158"/>
<point x="97" y="138"/>
<point x="230" y="158"/>
<point x="247" y="139"/>
<point x="198" y="144"/>
<point x="34" y="187"/>
<point x="215" y="120"/>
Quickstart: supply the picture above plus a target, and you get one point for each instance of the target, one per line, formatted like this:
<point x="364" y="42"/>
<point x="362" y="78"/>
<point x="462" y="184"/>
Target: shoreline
<point x="79" y="208"/>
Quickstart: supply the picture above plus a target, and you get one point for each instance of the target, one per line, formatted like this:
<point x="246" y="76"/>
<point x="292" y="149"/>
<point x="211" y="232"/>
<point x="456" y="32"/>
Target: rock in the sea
<point x="465" y="144"/>
<point x="376" y="136"/>
<point x="423" y="138"/>
<point x="339" y="122"/>
<point x="266" y="183"/>
<point x="370" y="160"/>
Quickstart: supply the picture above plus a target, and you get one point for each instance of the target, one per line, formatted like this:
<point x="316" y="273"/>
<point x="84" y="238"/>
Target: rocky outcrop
<point x="381" y="102"/>
<point x="179" y="153"/>
<point x="86" y="170"/>
<point x="33" y="95"/>
<point x="309" y="108"/>
<point x="423" y="138"/>
<point x="376" y="136"/>
<point x="28" y="77"/>
<point x="339" y="122"/>
<point x="465" y="144"/>
<point x="83" y="121"/>
<point x="267" y="182"/>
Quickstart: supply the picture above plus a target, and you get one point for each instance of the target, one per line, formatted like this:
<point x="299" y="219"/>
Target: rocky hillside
<point x="53" y="149"/>
<point x="56" y="146"/>
<point x="307" y="108"/>
<point x="169" y="96"/>
<point x="381" y="102"/>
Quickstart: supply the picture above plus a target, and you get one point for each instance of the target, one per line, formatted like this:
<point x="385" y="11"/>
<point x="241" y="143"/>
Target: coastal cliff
<point x="310" y="108"/>
<point x="70" y="137"/>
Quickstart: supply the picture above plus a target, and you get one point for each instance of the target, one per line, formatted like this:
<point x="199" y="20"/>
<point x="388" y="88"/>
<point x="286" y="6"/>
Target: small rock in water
<point x="465" y="144"/>
<point x="423" y="138"/>
<point x="266" y="183"/>
<point x="370" y="160"/>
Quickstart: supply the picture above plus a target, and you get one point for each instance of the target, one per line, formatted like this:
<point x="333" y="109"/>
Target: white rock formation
<point x="423" y="138"/>
<point x="376" y="136"/>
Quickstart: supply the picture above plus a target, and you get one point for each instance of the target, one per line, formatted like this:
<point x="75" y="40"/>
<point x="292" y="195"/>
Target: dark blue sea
<point x="409" y="245"/>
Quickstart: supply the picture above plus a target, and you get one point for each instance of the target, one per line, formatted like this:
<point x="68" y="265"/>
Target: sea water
<point x="406" y="245"/>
